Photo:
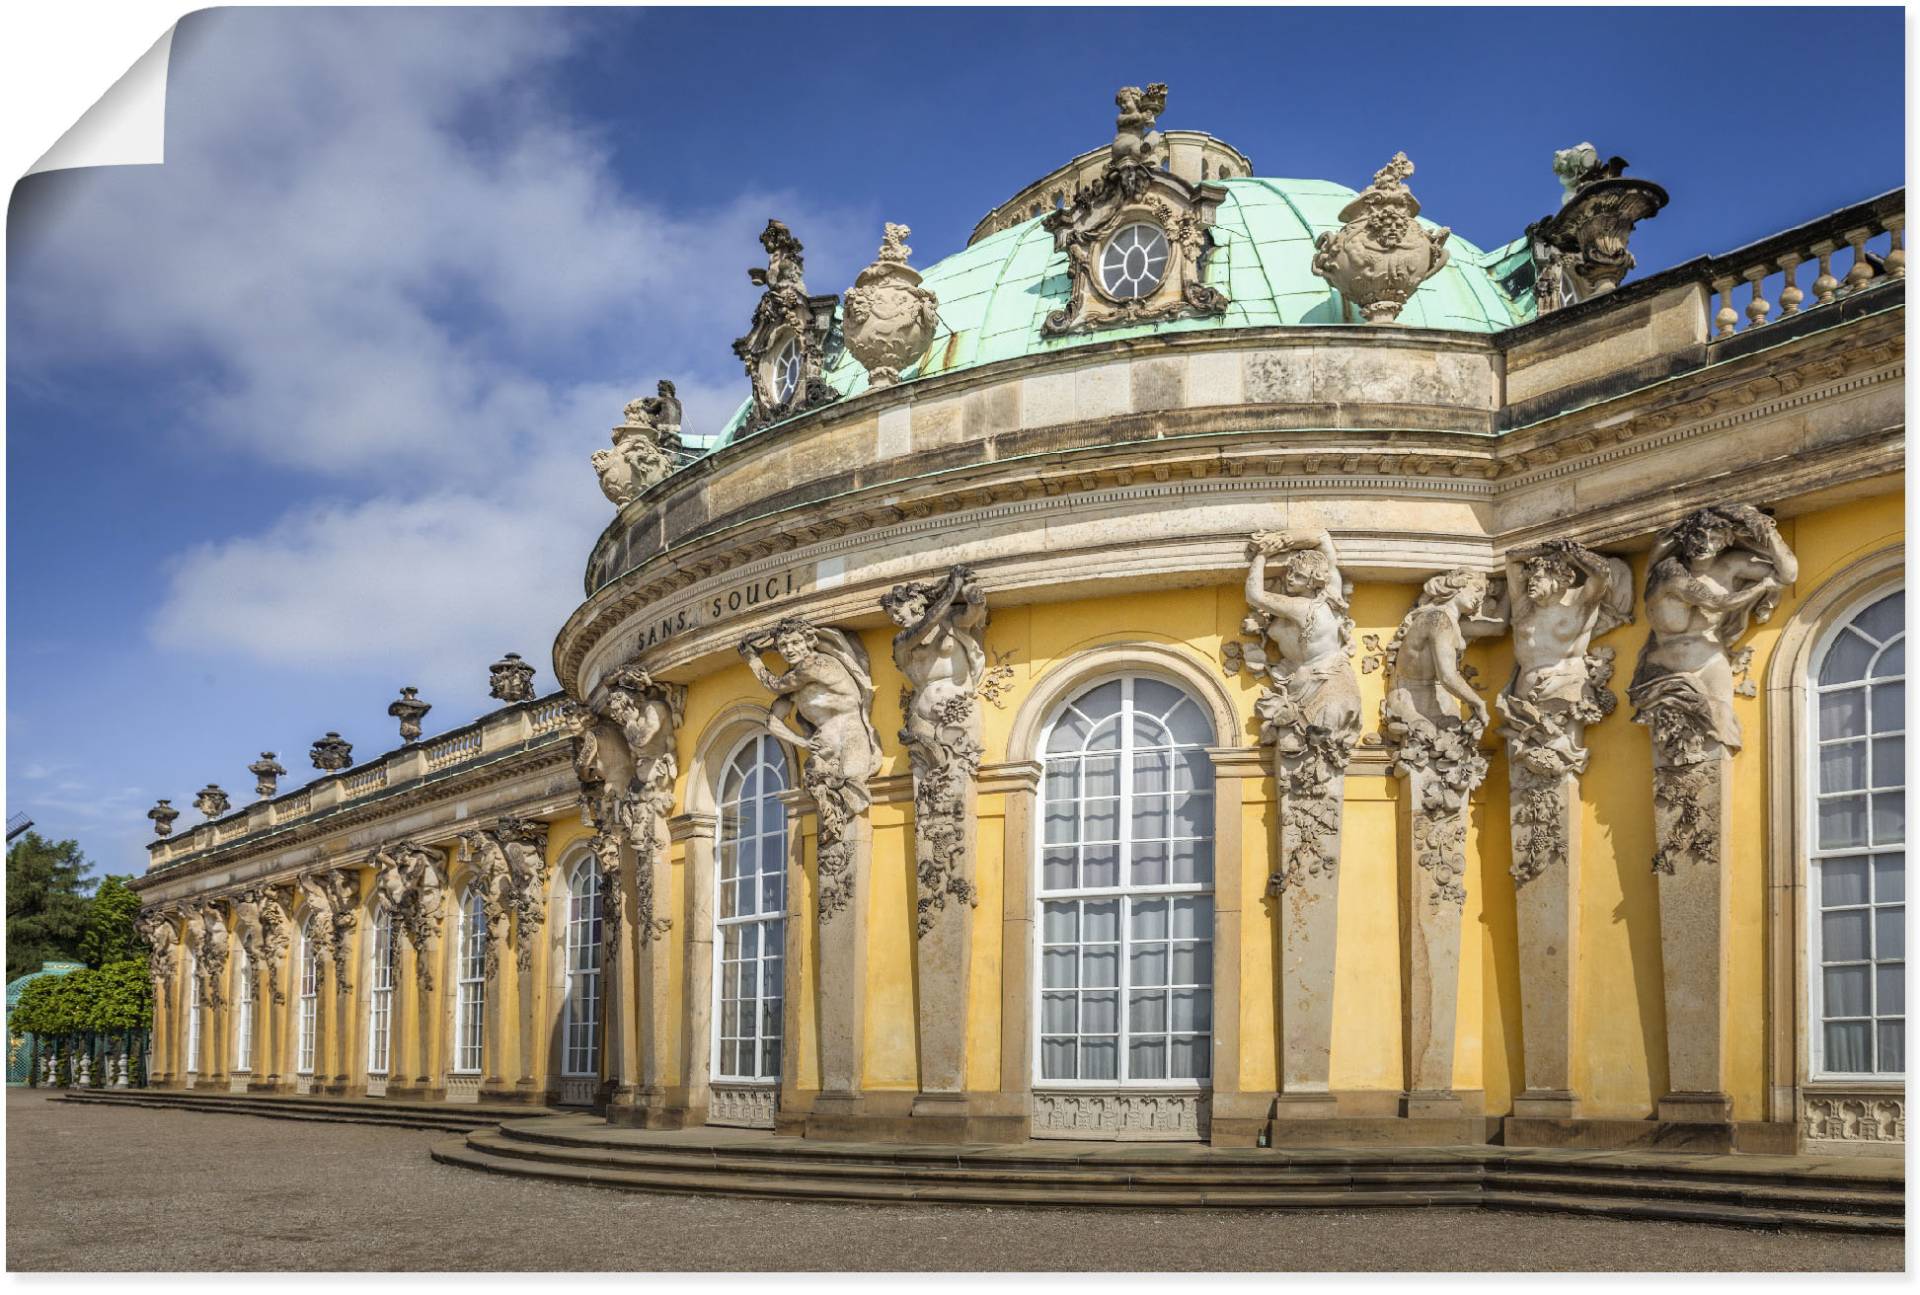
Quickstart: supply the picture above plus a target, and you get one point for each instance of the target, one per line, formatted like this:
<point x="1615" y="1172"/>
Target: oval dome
<point x="995" y="294"/>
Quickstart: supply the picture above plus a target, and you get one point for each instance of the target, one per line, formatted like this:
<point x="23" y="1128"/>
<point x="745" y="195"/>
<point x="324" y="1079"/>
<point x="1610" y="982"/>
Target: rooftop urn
<point x="163" y="815"/>
<point x="1599" y="207"/>
<point x="211" y="801"/>
<point x="511" y="679"/>
<point x="266" y="773"/>
<point x="332" y="753"/>
<point x="889" y="317"/>
<point x="1381" y="254"/>
<point x="409" y="710"/>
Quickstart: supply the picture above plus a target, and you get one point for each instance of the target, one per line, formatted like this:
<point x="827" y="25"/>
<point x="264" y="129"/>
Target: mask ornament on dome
<point x="1137" y="237"/>
<point x="1381" y="254"/>
<point x="785" y="348"/>
<point x="889" y="316"/>
<point x="646" y="445"/>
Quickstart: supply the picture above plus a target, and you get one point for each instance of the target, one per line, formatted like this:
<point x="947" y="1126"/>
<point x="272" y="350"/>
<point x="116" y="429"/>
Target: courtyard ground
<point x="128" y="1189"/>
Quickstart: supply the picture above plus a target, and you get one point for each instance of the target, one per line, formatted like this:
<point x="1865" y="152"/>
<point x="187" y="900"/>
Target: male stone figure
<point x="1706" y="577"/>
<point x="276" y="930"/>
<point x="211" y="952"/>
<point x="163" y="942"/>
<point x="647" y="714"/>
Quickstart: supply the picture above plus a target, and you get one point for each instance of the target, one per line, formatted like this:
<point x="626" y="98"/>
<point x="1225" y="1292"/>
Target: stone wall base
<point x="1757" y="1137"/>
<point x="929" y="1119"/>
<point x="1388" y="1130"/>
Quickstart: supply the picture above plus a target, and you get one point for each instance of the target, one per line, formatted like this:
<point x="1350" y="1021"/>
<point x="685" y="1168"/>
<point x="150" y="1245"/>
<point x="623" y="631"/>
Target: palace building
<point x="1216" y="659"/>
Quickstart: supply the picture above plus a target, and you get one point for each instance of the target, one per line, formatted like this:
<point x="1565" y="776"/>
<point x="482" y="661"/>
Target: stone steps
<point x="1758" y="1191"/>
<point x="439" y="1117"/>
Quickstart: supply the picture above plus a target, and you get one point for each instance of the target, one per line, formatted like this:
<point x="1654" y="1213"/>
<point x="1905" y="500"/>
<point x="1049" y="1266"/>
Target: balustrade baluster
<point x="1896" y="253"/>
<point x="1861" y="273"/>
<point x="1790" y="295"/>
<point x="1826" y="285"/>
<point x="1727" y="318"/>
<point x="1758" y="307"/>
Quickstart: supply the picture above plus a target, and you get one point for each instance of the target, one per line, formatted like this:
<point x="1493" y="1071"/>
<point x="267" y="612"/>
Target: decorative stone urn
<point x="409" y="710"/>
<point x="211" y="801"/>
<point x="266" y="773"/>
<point x="889" y="316"/>
<point x="163" y="815"/>
<point x="332" y="753"/>
<point x="1381" y="254"/>
<point x="1587" y="237"/>
<point x="510" y="679"/>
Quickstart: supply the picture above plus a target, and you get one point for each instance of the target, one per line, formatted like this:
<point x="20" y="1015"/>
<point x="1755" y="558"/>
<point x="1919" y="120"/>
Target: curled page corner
<point x="127" y="126"/>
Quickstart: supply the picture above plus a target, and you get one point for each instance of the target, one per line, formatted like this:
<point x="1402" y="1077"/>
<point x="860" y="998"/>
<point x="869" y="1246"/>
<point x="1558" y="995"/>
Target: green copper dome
<point x="995" y="294"/>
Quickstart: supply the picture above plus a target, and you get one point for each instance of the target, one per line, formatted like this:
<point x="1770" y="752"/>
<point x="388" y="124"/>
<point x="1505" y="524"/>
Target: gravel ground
<point x="93" y="1188"/>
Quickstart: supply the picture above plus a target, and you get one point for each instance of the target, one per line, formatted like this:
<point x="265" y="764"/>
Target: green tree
<point x="46" y="902"/>
<point x="109" y="935"/>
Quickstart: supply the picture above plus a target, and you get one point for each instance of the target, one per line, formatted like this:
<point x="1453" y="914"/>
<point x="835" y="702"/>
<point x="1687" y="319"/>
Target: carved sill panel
<point x="236" y="1082"/>
<point x="1122" y="1116"/>
<point x="1854" y="1123"/>
<point x="743" y="1106"/>
<point x="303" y="1084"/>
<point x="376" y="1085"/>
<point x="577" y="1090"/>
<point x="463" y="1088"/>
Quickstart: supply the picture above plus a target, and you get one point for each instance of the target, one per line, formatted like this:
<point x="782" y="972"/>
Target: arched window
<point x="380" y="996"/>
<point x="582" y="1056"/>
<point x="1126" y="888"/>
<point x="470" y="1002"/>
<point x="309" y="1006"/>
<point x="1858" y="882"/>
<point x="242" y="1012"/>
<point x="193" y="1014"/>
<point x="749" y="913"/>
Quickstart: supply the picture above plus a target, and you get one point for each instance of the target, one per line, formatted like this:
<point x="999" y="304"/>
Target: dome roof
<point x="995" y="294"/>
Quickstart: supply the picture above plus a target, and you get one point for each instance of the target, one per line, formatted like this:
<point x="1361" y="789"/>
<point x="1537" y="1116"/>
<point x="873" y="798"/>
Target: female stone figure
<point x="1311" y="634"/>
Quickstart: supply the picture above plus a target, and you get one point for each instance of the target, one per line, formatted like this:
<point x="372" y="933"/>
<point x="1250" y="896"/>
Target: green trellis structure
<point x="82" y="1058"/>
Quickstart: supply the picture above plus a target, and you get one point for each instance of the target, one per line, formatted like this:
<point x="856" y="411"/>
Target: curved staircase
<point x="1863" y="1196"/>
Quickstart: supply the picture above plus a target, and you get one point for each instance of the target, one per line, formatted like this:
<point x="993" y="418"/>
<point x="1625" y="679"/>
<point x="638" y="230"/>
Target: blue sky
<point x="304" y="414"/>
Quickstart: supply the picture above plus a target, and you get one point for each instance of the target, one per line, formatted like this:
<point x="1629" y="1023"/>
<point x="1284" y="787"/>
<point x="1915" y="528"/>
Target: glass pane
<point x="1889" y="761"/>
<point x="1100" y="866"/>
<point x="1890" y="932"/>
<point x="770" y="892"/>
<point x="1058" y="1058"/>
<point x="1100" y="1013"/>
<point x="1102" y="821"/>
<point x="1843" y="823"/>
<point x="1193" y="964"/>
<point x="1057" y="968"/>
<point x="1889" y="817"/>
<point x="1099" y="703"/>
<point x="1056" y="868"/>
<point x="1099" y="1059"/>
<point x="1192" y="1010"/>
<point x="1061" y="922"/>
<point x="1063" y="781"/>
<point x="1147" y="1013"/>
<point x="1842" y="881"/>
<point x="1847" y="659"/>
<point x="1192" y="862"/>
<point x="1057" y="1013"/>
<point x="1890" y="989"/>
<point x="1105" y="736"/>
<point x="1190" y="1057"/>
<point x="1193" y="918"/>
<point x="1845" y="991"/>
<point x="1892" y="660"/>
<point x="1893" y="1048"/>
<point x="750" y="818"/>
<point x="1100" y="966"/>
<point x="1148" y="965"/>
<point x="1061" y="823"/>
<point x="1150" y="919"/>
<point x="1885" y="618"/>
<point x="1889" y="707"/>
<point x="1889" y="877"/>
<point x="1155" y="697"/>
<point x="1847" y="1046"/>
<point x="1843" y="766"/>
<point x="1150" y="865"/>
<point x="1192" y="769"/>
<point x="1843" y="936"/>
<point x="1152" y="772"/>
<point x="1102" y="918"/>
<point x="1069" y="732"/>
<point x="1100" y="775"/>
<point x="1193" y="814"/>
<point x="770" y="1057"/>
<point x="1147" y="1059"/>
<point x="1843" y="713"/>
<point x="1190" y="725"/>
<point x="1149" y="818"/>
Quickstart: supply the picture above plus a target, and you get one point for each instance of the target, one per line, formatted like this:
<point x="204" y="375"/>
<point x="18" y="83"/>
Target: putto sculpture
<point x="646" y="445"/>
<point x="784" y="349"/>
<point x="1381" y="253"/>
<point x="211" y="801"/>
<point x="889" y="316"/>
<point x="332" y="753"/>
<point x="409" y="710"/>
<point x="510" y="679"/>
<point x="1580" y="251"/>
<point x="163" y="814"/>
<point x="266" y="773"/>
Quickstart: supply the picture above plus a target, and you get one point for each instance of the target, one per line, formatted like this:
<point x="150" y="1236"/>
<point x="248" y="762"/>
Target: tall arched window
<point x="1126" y="888"/>
<point x="582" y="1056"/>
<point x="242" y="1012"/>
<point x="193" y="1014"/>
<point x="749" y="913"/>
<point x="380" y="996"/>
<point x="309" y="1006"/>
<point x="1858" y="882"/>
<point x="470" y="1000"/>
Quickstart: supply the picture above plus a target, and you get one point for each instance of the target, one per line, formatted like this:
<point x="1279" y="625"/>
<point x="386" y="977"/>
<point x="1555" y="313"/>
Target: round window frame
<point x="1133" y="220"/>
<point x="783" y="341"/>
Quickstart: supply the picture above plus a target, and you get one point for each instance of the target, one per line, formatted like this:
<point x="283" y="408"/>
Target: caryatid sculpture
<point x="247" y="930"/>
<point x="647" y="715"/>
<point x="156" y="927"/>
<point x="1309" y="714"/>
<point x="1436" y="749"/>
<point x="1561" y="597"/>
<point x="411" y="878"/>
<point x="211" y="944"/>
<point x="331" y="895"/>
<point x="276" y="935"/>
<point x="939" y="652"/>
<point x="823" y="701"/>
<point x="1707" y="577"/>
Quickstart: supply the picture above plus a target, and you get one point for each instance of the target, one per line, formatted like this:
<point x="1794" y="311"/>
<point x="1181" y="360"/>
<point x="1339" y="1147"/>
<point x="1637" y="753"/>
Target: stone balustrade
<point x="1804" y="269"/>
<point x="361" y="781"/>
<point x="454" y="749"/>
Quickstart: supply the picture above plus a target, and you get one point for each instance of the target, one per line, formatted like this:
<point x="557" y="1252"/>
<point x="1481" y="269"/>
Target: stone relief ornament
<point x="1137" y="237"/>
<point x="331" y="895"/>
<point x="510" y="679"/>
<point x="332" y="753"/>
<point x="409" y="710"/>
<point x="276" y="935"/>
<point x="784" y="349"/>
<point x="1301" y="640"/>
<point x="412" y="879"/>
<point x="211" y="801"/>
<point x="1562" y="597"/>
<point x="207" y="936"/>
<point x="266" y="773"/>
<point x="156" y="927"/>
<point x="1435" y="747"/>
<point x="1879" y="1117"/>
<point x="938" y="651"/>
<point x="646" y="445"/>
<point x="888" y="316"/>
<point x="511" y="859"/>
<point x="646" y="714"/>
<point x="823" y="702"/>
<point x="1381" y="254"/>
<point x="163" y="814"/>
<point x="1708" y="575"/>
<point x="1580" y="251"/>
<point x="248" y="929"/>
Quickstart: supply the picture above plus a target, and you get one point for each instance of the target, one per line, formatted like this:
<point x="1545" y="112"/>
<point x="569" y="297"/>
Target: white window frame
<point x="764" y="920"/>
<point x="1817" y="1071"/>
<point x="194" y="1010"/>
<point x="1124" y="891"/>
<point x="380" y="995"/>
<point x="470" y="988"/>
<point x="242" y="1013"/>
<point x="580" y="1042"/>
<point x="308" y="1006"/>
